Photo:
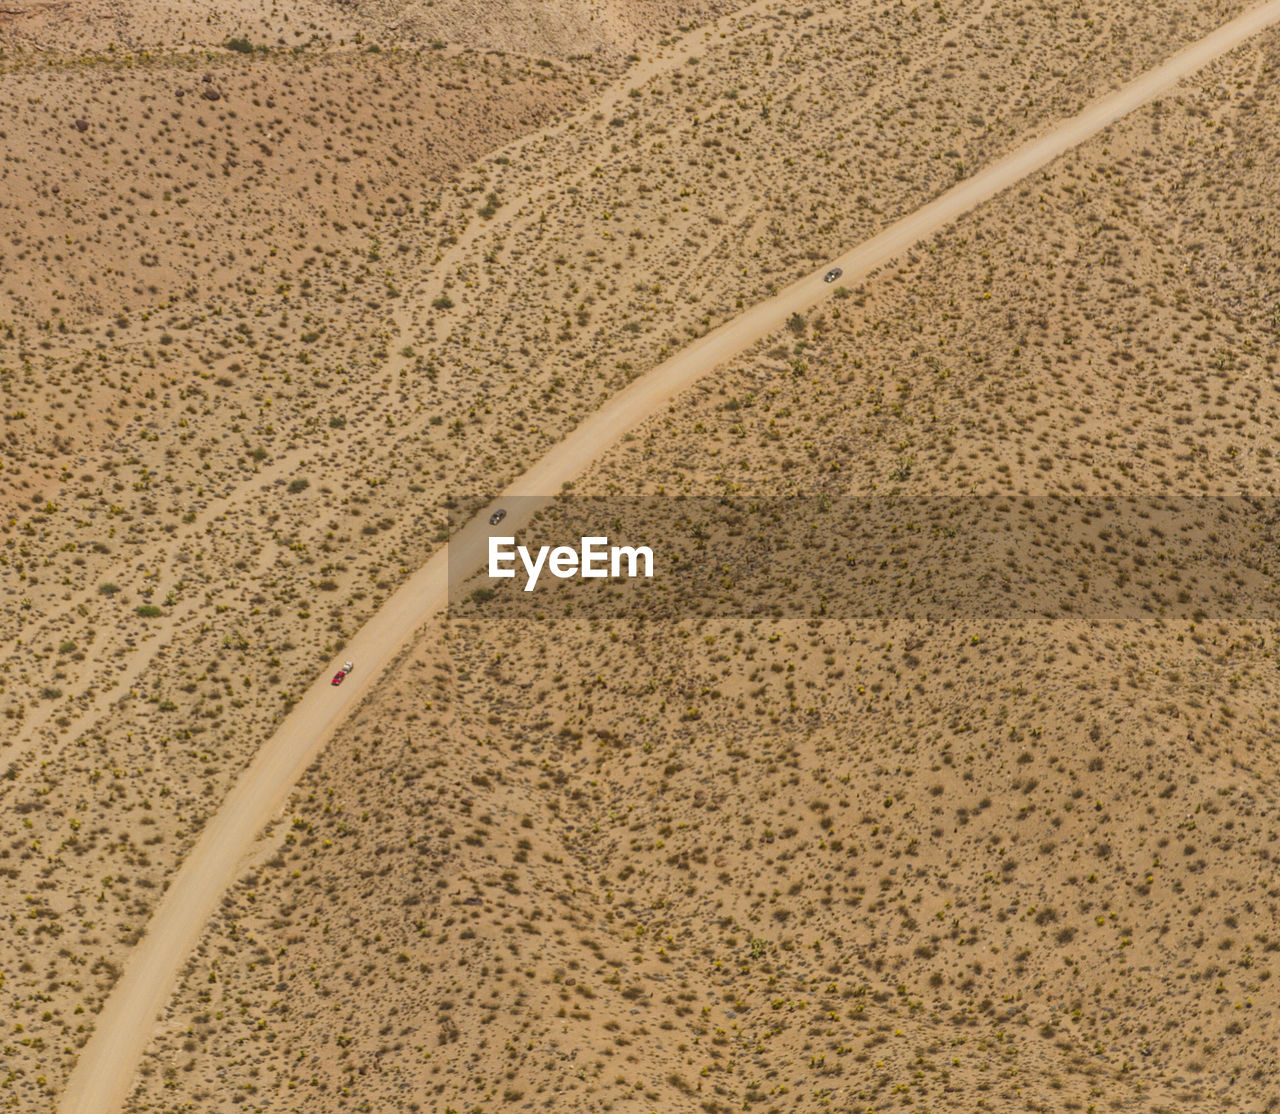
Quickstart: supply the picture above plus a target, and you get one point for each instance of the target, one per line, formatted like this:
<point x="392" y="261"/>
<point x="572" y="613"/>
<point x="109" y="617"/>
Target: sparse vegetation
<point x="588" y="862"/>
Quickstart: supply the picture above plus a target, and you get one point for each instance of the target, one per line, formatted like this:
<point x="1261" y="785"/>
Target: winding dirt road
<point x="104" y="1074"/>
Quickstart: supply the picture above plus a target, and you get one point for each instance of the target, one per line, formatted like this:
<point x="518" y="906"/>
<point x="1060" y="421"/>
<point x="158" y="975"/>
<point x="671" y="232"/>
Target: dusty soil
<point x="1105" y="327"/>
<point x="605" y="29"/>
<point x="1015" y="864"/>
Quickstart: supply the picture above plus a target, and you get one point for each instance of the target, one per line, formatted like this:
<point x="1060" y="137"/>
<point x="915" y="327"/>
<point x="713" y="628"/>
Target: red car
<point x="339" y="676"/>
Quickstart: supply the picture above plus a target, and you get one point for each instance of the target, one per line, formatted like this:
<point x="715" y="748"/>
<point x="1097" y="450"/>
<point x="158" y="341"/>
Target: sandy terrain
<point x="474" y="333"/>
<point x="607" y="29"/>
<point x="105" y="1066"/>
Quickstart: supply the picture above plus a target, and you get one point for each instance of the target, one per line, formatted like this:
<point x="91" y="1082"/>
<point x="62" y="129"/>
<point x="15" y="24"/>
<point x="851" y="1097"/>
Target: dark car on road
<point x="497" y="517"/>
<point x="832" y="275"/>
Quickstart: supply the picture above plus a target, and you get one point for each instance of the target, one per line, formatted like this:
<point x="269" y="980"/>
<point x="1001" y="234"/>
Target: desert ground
<point x="272" y="319"/>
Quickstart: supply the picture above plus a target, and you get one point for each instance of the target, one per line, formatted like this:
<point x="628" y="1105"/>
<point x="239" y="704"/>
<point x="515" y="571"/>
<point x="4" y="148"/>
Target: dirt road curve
<point x="103" y="1076"/>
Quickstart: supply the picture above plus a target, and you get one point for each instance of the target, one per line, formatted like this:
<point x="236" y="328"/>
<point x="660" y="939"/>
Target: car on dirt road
<point x="832" y="275"/>
<point x="339" y="677"/>
<point x="497" y="517"/>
